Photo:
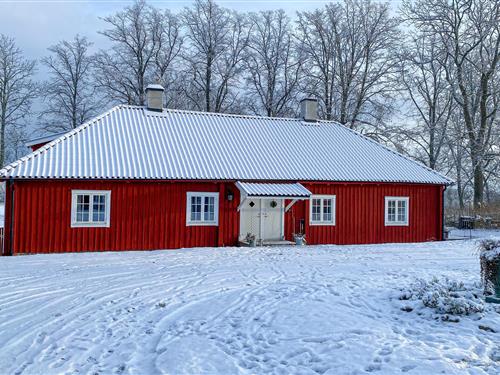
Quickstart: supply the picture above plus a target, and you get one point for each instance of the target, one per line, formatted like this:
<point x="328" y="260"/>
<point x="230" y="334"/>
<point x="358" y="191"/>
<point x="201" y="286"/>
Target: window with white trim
<point x="322" y="210"/>
<point x="90" y="208"/>
<point x="202" y="208"/>
<point x="396" y="211"/>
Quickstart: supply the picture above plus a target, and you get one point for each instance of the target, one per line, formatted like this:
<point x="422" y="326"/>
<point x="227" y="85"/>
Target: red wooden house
<point x="140" y="178"/>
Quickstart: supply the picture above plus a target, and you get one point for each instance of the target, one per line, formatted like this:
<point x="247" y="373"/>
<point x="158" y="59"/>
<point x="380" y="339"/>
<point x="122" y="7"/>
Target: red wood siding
<point x="360" y="210"/>
<point x="37" y="146"/>
<point x="149" y="215"/>
<point x="144" y="216"/>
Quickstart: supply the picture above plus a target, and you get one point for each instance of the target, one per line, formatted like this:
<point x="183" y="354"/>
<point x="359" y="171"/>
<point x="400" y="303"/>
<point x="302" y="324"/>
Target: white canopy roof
<point x="251" y="190"/>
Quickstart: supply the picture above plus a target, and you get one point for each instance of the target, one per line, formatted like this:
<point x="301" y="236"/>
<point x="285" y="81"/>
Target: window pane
<point x="195" y="208"/>
<point x="327" y="210"/>
<point x="209" y="209"/>
<point x="402" y="211"/>
<point x="83" y="208"/>
<point x="391" y="210"/>
<point x="316" y="210"/>
<point x="99" y="208"/>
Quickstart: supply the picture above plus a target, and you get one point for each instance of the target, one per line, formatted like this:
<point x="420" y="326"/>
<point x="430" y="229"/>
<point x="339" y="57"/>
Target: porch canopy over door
<point x="262" y="208"/>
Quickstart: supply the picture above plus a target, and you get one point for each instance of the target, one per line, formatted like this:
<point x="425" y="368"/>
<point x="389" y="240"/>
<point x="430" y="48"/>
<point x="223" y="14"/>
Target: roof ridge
<point x="58" y="140"/>
<point x="215" y="114"/>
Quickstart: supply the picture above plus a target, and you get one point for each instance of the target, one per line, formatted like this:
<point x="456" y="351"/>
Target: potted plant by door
<point x="489" y="253"/>
<point x="251" y="239"/>
<point x="300" y="239"/>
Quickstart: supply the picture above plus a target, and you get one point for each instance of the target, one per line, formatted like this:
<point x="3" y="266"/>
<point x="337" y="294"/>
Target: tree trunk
<point x="208" y="83"/>
<point x="478" y="186"/>
<point x="2" y="141"/>
<point x="3" y="124"/>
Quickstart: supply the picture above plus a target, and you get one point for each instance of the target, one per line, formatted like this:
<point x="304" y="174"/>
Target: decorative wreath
<point x="273" y="204"/>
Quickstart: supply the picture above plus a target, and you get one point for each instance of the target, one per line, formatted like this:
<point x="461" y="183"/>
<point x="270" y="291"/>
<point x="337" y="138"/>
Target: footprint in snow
<point x="407" y="368"/>
<point x="386" y="350"/>
<point x="373" y="367"/>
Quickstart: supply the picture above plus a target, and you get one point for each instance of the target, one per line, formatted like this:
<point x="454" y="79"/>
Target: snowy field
<point x="311" y="310"/>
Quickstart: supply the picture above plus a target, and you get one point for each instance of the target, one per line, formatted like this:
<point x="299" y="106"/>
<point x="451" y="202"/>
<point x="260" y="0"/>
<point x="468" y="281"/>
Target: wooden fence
<point x="488" y="217"/>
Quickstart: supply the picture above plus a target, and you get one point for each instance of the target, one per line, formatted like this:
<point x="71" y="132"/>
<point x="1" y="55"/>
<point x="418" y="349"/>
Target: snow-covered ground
<point x="310" y="310"/>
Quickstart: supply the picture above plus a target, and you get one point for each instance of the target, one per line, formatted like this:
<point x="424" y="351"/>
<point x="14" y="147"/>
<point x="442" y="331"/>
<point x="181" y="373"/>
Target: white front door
<point x="271" y="211"/>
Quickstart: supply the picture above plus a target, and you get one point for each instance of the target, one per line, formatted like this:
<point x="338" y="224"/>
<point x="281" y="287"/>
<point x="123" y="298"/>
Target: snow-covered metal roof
<point x="252" y="189"/>
<point x="129" y="142"/>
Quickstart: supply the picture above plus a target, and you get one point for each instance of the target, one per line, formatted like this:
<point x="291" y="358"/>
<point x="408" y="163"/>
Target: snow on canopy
<point x="252" y="189"/>
<point x="130" y="142"/>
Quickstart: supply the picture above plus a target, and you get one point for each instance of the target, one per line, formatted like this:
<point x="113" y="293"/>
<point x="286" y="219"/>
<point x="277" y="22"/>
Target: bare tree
<point x="216" y="39"/>
<point x="423" y="79"/>
<point x="349" y="60"/>
<point x="70" y="92"/>
<point x="169" y="45"/>
<point x="16" y="138"/>
<point x="457" y="156"/>
<point x="169" y="40"/>
<point x="469" y="32"/>
<point x="122" y="70"/>
<point x="145" y="41"/>
<point x="315" y="31"/>
<point x="17" y="89"/>
<point x="273" y="64"/>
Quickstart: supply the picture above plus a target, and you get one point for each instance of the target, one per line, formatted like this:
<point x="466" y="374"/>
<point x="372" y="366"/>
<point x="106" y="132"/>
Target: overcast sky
<point x="37" y="24"/>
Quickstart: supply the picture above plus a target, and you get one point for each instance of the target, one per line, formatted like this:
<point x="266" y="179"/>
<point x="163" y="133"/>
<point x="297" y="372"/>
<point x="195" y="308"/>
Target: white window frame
<point x="202" y="222"/>
<point x="397" y="223"/>
<point x="333" y="199"/>
<point x="90" y="224"/>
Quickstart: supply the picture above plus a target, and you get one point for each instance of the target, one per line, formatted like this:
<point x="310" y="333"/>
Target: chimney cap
<point x="155" y="87"/>
<point x="309" y="99"/>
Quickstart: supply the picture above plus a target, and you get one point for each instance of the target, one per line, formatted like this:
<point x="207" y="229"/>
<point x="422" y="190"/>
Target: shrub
<point x="489" y="255"/>
<point x="445" y="296"/>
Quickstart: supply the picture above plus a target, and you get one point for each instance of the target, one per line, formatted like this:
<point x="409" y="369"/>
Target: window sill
<point x="90" y="225"/>
<point x="202" y="224"/>
<point x="396" y="224"/>
<point x="319" y="224"/>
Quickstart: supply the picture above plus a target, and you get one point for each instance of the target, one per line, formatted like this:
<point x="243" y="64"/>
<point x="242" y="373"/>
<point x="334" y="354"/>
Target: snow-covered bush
<point x="445" y="296"/>
<point x="489" y="254"/>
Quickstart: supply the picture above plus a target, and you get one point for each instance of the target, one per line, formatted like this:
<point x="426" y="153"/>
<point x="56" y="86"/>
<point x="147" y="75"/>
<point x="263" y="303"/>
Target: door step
<point x="269" y="243"/>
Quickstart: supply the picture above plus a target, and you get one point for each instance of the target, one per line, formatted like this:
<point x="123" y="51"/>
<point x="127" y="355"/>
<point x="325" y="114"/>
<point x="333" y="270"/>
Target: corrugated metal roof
<point x="252" y="189"/>
<point x="129" y="142"/>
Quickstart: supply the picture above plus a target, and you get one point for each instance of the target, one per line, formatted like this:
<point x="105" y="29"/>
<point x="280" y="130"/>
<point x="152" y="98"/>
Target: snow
<point x="228" y="147"/>
<point x="490" y="250"/>
<point x="282" y="310"/>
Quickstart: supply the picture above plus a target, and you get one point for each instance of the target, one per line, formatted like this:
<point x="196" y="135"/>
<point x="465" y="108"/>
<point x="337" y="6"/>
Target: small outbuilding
<point x="143" y="178"/>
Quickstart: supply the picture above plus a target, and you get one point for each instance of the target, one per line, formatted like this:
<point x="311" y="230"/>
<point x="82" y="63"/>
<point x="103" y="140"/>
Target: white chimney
<point x="154" y="97"/>
<point x="309" y="109"/>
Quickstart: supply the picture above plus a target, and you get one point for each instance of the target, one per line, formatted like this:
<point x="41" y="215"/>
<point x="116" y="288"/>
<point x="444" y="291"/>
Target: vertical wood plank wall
<point x="360" y="210"/>
<point x="149" y="215"/>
